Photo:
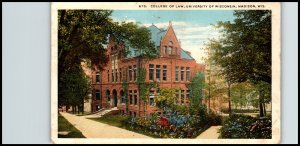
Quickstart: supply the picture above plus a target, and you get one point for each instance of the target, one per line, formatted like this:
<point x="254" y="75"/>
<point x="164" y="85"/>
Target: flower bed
<point x="242" y="126"/>
<point x="173" y="125"/>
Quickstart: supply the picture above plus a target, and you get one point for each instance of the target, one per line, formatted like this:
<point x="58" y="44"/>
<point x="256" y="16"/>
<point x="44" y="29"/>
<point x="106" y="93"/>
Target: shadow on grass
<point x="65" y="125"/>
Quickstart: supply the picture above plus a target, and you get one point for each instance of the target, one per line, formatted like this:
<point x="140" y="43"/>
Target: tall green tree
<point x="84" y="34"/>
<point x="76" y="88"/>
<point x="244" y="50"/>
<point x="196" y="88"/>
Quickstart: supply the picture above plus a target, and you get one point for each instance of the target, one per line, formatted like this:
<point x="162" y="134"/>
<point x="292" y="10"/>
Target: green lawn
<point x="65" y="125"/>
<point x="118" y="121"/>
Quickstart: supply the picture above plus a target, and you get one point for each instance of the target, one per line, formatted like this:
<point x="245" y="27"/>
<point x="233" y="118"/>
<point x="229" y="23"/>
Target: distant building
<point x="174" y="68"/>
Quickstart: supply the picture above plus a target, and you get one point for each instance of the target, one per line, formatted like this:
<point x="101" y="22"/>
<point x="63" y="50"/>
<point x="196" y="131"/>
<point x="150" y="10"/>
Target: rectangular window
<point x="134" y="72"/>
<point x="182" y="96"/>
<point x="151" y="71"/>
<point x="97" y="94"/>
<point x="130" y="73"/>
<point x="107" y="75"/>
<point x="116" y="75"/>
<point x="177" y="96"/>
<point x="123" y="99"/>
<point x="151" y="98"/>
<point x="120" y="74"/>
<point x="112" y="75"/>
<point x="187" y="95"/>
<point x="165" y="50"/>
<point x="188" y="73"/>
<point x="164" y="72"/>
<point x="182" y="73"/>
<point x="157" y="72"/>
<point x="97" y="77"/>
<point x="177" y="73"/>
<point x="170" y="50"/>
<point x="126" y="76"/>
<point x="135" y="97"/>
<point x="130" y="96"/>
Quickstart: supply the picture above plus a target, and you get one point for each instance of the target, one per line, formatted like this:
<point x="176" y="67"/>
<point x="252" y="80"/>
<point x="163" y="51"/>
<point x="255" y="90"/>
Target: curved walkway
<point x="93" y="129"/>
<point x="210" y="133"/>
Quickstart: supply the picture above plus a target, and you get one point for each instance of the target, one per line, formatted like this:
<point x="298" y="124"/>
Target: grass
<point x="65" y="125"/>
<point x="118" y="121"/>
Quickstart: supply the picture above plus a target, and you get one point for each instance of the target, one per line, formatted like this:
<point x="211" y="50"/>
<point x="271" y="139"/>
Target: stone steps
<point x="101" y="113"/>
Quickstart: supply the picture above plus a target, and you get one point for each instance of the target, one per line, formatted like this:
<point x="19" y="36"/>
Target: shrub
<point x="214" y="119"/>
<point x="242" y="126"/>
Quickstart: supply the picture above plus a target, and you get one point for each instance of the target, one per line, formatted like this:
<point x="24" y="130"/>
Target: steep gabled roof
<point x="156" y="34"/>
<point x="184" y="55"/>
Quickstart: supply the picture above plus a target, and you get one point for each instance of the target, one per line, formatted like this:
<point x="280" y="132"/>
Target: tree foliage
<point x="83" y="36"/>
<point x="196" y="88"/>
<point x="166" y="98"/>
<point x="244" y="52"/>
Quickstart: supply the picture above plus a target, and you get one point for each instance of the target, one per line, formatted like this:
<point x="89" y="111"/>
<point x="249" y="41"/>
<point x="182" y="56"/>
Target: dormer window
<point x="170" y="50"/>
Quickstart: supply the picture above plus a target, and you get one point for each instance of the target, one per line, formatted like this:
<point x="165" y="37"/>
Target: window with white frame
<point x="130" y="73"/>
<point x="188" y="73"/>
<point x="151" y="72"/>
<point x="116" y="71"/>
<point x="112" y="75"/>
<point x="182" y="73"/>
<point x="182" y="97"/>
<point x="134" y="72"/>
<point x="130" y="97"/>
<point x="151" y="98"/>
<point x="165" y="72"/>
<point x="97" y="77"/>
<point x="135" y="97"/>
<point x="98" y="96"/>
<point x="177" y="73"/>
<point x="157" y="72"/>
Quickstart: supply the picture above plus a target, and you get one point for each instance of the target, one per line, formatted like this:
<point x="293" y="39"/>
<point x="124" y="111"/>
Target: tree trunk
<point x="229" y="99"/>
<point x="73" y="109"/>
<point x="77" y="109"/>
<point x="265" y="111"/>
<point x="261" y="110"/>
<point x="82" y="106"/>
<point x="208" y="94"/>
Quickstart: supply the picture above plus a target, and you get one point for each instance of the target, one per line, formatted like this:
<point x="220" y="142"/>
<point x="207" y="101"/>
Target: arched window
<point x="170" y="43"/>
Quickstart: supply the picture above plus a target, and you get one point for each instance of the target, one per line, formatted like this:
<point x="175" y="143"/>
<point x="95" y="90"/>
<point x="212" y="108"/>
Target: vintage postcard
<point x="165" y="72"/>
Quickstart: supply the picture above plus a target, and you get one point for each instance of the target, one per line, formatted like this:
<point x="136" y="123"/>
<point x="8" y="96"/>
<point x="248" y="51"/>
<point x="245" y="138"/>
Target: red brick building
<point x="174" y="68"/>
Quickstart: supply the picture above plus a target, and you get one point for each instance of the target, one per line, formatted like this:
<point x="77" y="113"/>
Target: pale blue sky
<point x="192" y="27"/>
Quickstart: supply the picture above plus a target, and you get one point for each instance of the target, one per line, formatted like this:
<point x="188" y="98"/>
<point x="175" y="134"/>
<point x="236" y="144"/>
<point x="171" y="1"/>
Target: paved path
<point x="210" y="133"/>
<point x="93" y="129"/>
